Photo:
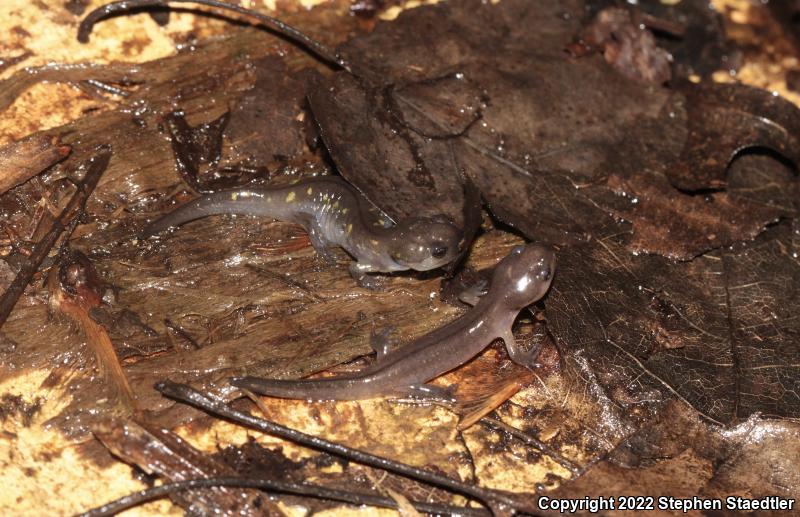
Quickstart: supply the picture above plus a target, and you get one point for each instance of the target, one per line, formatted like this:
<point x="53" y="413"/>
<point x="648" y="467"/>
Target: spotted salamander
<point x="333" y="213"/>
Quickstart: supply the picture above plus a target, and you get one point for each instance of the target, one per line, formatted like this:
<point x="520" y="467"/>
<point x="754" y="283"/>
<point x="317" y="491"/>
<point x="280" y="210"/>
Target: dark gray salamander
<point x="333" y="213"/>
<point x="519" y="280"/>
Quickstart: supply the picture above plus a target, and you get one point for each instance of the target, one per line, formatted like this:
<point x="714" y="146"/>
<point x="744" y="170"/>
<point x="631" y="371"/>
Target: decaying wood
<point x="75" y="290"/>
<point x="22" y="160"/>
<point x="68" y="218"/>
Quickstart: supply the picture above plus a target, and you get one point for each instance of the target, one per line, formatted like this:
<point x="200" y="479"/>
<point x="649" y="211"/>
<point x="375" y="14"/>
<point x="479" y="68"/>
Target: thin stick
<point x="189" y="395"/>
<point x="497" y="424"/>
<point x="309" y="490"/>
<point x="124" y="6"/>
<point x="95" y="166"/>
<point x="14" y="86"/>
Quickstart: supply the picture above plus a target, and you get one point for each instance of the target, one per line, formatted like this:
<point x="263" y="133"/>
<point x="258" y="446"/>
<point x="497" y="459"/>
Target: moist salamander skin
<point x="333" y="213"/>
<point x="520" y="279"/>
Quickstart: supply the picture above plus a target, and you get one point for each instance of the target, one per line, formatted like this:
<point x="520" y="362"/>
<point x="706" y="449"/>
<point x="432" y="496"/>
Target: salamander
<point x="520" y="279"/>
<point x="333" y="213"/>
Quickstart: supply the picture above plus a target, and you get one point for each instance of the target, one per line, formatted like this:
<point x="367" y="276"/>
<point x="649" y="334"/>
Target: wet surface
<point x="672" y="206"/>
<point x="161" y="453"/>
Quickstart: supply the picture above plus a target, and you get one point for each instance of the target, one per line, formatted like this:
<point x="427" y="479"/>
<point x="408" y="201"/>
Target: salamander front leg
<point x="472" y="294"/>
<point x="320" y="244"/>
<point x="382" y="342"/>
<point x="360" y="273"/>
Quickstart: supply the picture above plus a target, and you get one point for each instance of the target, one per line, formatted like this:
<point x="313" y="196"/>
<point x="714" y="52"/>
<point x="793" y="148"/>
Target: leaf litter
<point x="678" y="270"/>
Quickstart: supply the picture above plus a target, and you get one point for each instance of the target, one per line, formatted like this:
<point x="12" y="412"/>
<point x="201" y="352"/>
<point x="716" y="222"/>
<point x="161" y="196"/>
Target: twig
<point x="181" y="333"/>
<point x="14" y="86"/>
<point x="274" y="24"/>
<point x="189" y="395"/>
<point x="533" y="441"/>
<point x="95" y="166"/>
<point x="105" y="87"/>
<point x="309" y="490"/>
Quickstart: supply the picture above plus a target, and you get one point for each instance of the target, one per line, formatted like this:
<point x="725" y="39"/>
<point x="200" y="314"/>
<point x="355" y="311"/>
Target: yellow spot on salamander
<point x="336" y="205"/>
<point x="310" y="191"/>
<point x="345" y="210"/>
<point x="290" y="197"/>
<point x="234" y="196"/>
<point x="349" y="228"/>
<point x="374" y="242"/>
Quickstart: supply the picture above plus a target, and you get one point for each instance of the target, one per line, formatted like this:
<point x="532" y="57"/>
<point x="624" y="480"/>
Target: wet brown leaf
<point x="162" y="453"/>
<point x="717" y="332"/>
<point x="416" y="175"/>
<point x="678" y="456"/>
<point x="560" y="164"/>
<point x="725" y="119"/>
<point x="573" y="165"/>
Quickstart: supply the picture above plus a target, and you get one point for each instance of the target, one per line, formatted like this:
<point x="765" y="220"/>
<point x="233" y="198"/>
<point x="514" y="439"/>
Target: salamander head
<point x="424" y="243"/>
<point x="524" y="276"/>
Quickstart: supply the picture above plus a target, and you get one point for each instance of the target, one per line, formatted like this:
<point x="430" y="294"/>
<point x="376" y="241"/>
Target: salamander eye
<point x="438" y="251"/>
<point x="517" y="250"/>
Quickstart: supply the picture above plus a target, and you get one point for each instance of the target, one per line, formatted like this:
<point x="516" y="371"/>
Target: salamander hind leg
<point x="522" y="357"/>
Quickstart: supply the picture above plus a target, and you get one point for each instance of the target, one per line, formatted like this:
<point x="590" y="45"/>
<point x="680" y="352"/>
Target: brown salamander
<point x="333" y="213"/>
<point x="519" y="280"/>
